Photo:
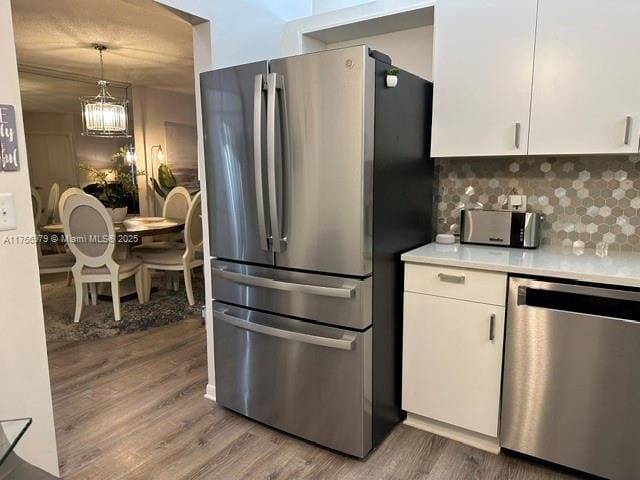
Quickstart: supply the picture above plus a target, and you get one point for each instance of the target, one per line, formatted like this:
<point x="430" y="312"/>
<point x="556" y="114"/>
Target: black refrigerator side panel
<point x="403" y="190"/>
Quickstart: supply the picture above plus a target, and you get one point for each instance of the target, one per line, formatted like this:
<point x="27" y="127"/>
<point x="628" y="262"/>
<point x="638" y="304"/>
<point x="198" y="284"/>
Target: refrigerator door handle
<point x="253" y="281"/>
<point x="344" y="343"/>
<point x="258" y="87"/>
<point x="274" y="82"/>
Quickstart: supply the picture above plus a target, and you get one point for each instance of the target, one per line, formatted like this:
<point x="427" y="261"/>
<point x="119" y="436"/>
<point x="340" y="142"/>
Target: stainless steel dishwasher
<point x="571" y="386"/>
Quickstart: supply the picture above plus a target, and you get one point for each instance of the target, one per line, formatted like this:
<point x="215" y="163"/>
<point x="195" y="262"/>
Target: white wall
<point x="202" y="61"/>
<point x="293" y="40"/>
<point x="93" y="151"/>
<point x="322" y="6"/>
<point x="24" y="373"/>
<point x="153" y="107"/>
<point x="244" y="31"/>
<point x="411" y="50"/>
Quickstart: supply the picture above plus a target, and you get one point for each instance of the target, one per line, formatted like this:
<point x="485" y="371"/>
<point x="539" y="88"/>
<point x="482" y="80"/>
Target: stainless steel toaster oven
<point x="500" y="227"/>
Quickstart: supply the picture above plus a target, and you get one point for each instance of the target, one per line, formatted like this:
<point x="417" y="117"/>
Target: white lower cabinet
<point x="452" y="365"/>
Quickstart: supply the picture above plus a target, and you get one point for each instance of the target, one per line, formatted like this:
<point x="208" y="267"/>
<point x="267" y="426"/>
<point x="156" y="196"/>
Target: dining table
<point x="129" y="233"/>
<point x="133" y="226"/>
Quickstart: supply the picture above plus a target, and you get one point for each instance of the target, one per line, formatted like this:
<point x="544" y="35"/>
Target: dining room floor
<point x="132" y="407"/>
<point x="165" y="306"/>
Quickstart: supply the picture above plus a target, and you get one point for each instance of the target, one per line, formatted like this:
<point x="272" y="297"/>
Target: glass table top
<point x="10" y="433"/>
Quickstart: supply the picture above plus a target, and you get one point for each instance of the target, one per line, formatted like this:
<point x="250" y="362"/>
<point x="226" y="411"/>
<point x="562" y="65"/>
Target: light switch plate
<point x="8" y="219"/>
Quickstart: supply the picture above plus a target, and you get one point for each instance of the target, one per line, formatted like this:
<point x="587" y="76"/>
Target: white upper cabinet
<point x="586" y="82"/>
<point x="482" y="69"/>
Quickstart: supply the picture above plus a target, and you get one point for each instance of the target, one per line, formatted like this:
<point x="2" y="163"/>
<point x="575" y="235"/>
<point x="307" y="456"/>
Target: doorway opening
<point x="109" y="368"/>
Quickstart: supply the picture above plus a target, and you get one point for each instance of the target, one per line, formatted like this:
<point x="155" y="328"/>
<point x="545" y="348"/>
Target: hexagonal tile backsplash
<point x="585" y="200"/>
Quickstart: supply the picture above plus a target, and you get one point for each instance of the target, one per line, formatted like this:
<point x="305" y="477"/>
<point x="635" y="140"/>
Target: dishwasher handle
<point x="607" y="293"/>
<point x="577" y="299"/>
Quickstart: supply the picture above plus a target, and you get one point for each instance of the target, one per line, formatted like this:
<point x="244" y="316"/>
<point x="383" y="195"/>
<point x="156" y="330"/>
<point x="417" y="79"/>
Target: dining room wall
<point x="159" y="116"/>
<point x="24" y="372"/>
<point x="94" y="151"/>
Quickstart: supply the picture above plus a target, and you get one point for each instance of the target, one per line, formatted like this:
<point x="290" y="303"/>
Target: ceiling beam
<point x="76" y="77"/>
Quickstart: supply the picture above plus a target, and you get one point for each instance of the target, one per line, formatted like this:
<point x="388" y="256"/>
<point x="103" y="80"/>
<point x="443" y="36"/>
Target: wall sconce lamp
<point x="130" y="155"/>
<point x="157" y="154"/>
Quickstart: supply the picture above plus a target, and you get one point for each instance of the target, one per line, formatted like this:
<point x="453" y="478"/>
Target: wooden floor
<point x="132" y="407"/>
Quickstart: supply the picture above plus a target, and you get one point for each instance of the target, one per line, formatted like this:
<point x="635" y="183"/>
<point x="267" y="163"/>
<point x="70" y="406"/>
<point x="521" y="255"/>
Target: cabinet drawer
<point x="459" y="283"/>
<point x="309" y="380"/>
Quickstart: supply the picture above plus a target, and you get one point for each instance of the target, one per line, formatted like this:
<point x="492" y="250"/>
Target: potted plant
<point x="391" y="79"/>
<point x="117" y="185"/>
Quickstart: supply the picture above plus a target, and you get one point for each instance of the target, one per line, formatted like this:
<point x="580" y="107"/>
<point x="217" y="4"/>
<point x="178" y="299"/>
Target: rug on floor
<point x="165" y="306"/>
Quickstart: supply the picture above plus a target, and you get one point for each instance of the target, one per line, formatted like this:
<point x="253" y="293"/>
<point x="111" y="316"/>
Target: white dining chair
<point x="64" y="196"/>
<point x="176" y="206"/>
<point x="36" y="203"/>
<point x="92" y="239"/>
<point x="178" y="257"/>
<point x="51" y="214"/>
<point x="177" y="203"/>
<point x="56" y="263"/>
<point x="48" y="264"/>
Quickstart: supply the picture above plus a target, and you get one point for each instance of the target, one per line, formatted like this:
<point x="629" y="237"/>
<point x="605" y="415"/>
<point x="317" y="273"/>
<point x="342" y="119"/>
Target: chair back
<point x="64" y="196"/>
<point x="89" y="229"/>
<point x="36" y="203"/>
<point x="177" y="203"/>
<point x="193" y="227"/>
<point x="52" y="204"/>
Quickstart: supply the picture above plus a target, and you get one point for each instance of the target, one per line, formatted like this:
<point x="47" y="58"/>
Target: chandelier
<point x="104" y="115"/>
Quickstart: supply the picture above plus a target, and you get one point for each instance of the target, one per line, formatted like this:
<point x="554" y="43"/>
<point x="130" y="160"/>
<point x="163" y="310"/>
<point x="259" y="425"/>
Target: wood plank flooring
<point x="132" y="407"/>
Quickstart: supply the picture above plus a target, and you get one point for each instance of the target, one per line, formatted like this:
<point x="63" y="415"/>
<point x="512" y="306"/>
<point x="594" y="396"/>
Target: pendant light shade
<point x="104" y="115"/>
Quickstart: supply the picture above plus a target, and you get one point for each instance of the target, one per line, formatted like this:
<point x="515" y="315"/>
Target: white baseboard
<point x="210" y="393"/>
<point x="473" y="439"/>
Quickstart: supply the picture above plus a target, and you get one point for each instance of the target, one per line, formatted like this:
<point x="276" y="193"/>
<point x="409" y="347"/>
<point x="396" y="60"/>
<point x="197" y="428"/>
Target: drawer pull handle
<point x="345" y="343"/>
<point x="445" y="277"/>
<point x="261" y="282"/>
<point x="492" y="327"/>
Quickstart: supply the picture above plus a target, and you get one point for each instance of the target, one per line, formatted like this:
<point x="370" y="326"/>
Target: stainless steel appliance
<point x="500" y="227"/>
<point x="318" y="178"/>
<point x="571" y="387"/>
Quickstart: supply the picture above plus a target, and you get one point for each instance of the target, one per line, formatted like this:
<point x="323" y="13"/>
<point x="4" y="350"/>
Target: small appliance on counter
<point x="500" y="227"/>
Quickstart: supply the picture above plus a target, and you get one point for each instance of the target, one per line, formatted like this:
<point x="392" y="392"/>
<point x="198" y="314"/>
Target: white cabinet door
<point x="586" y="80"/>
<point x="451" y="368"/>
<point x="482" y="70"/>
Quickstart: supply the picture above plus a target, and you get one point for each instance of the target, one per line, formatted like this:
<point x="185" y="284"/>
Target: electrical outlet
<point x="7" y="212"/>
<point x="517" y="203"/>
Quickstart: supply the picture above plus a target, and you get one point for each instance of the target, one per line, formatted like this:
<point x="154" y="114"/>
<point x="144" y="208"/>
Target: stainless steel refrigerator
<point x="318" y="178"/>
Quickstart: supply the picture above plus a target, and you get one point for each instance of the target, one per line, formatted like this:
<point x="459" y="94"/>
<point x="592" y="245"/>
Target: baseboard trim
<point x="473" y="439"/>
<point x="210" y="393"/>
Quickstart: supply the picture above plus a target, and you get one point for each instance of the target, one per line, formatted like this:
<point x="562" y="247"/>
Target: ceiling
<point x="147" y="45"/>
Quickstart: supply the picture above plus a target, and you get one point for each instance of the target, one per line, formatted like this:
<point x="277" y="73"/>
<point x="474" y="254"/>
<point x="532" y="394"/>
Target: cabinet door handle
<point x="492" y="327"/>
<point x="444" y="277"/>
<point x="627" y="131"/>
<point x="517" y="135"/>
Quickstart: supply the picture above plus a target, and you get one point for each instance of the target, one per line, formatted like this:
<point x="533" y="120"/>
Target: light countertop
<point x="556" y="262"/>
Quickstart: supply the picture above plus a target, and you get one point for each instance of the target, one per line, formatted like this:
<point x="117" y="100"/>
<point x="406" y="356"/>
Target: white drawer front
<point x="458" y="283"/>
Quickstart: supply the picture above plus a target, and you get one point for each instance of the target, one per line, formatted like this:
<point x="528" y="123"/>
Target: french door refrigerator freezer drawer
<point x="308" y="380"/>
<point x="338" y="301"/>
